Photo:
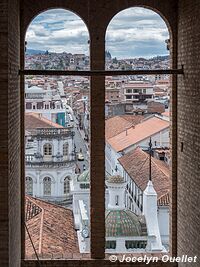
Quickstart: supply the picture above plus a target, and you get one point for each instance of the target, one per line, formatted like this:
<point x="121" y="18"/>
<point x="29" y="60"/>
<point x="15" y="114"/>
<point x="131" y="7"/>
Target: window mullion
<point x="97" y="163"/>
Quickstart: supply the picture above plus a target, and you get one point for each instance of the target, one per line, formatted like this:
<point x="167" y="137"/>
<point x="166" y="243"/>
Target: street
<point x="80" y="144"/>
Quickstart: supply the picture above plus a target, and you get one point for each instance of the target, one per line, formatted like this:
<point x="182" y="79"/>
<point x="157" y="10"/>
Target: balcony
<point x="52" y="132"/>
<point x="38" y="162"/>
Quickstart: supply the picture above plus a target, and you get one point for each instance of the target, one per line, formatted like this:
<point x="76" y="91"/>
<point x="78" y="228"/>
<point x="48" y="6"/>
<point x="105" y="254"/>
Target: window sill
<point x="77" y="259"/>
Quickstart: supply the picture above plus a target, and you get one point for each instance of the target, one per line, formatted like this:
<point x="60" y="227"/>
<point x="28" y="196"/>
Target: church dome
<point x="84" y="177"/>
<point x="116" y="179"/>
<point x="122" y="223"/>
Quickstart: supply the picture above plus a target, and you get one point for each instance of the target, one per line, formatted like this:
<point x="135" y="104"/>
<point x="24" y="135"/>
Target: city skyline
<point x="64" y="31"/>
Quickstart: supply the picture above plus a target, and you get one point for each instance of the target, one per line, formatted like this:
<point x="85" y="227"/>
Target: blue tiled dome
<point x="122" y="223"/>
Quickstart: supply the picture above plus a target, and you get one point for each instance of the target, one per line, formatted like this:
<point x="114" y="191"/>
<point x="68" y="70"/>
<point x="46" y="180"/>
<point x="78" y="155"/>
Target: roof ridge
<point x="53" y="204"/>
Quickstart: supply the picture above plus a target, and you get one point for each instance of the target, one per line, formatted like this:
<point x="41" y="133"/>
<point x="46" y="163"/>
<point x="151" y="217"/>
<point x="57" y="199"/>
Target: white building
<point x="125" y="231"/>
<point x="135" y="170"/>
<point x="49" y="156"/>
<point x="46" y="103"/>
<point x="138" y="91"/>
<point x="129" y="137"/>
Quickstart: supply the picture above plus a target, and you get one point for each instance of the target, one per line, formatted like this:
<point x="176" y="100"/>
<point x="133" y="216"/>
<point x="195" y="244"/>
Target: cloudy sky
<point x="134" y="32"/>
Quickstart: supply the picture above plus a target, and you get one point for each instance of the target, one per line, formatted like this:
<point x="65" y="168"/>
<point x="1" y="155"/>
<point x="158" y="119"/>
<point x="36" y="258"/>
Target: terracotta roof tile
<point x="34" y="120"/>
<point x="118" y="124"/>
<point x="136" y="164"/>
<point x="51" y="230"/>
<point x="138" y="133"/>
<point x="164" y="200"/>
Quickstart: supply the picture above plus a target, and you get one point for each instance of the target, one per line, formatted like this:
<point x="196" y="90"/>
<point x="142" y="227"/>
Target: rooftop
<point x="136" y="164"/>
<point x="123" y="223"/>
<point x="118" y="124"/>
<point x="116" y="179"/>
<point x="34" y="120"/>
<point x="137" y="133"/>
<point x="51" y="230"/>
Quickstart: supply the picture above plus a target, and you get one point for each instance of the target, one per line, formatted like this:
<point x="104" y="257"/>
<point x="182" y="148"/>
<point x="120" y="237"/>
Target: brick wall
<point x="189" y="130"/>
<point x="10" y="135"/>
<point x="4" y="247"/>
<point x="14" y="134"/>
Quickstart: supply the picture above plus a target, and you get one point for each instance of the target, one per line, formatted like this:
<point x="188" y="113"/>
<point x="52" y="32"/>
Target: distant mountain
<point x="34" y="52"/>
<point x="161" y="57"/>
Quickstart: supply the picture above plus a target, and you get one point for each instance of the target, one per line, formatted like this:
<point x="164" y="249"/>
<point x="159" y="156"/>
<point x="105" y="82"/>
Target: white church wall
<point x="163" y="221"/>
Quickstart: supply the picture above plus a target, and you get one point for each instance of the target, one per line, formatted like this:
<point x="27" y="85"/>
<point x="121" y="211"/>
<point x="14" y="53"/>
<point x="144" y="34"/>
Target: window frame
<point x="95" y="45"/>
<point x="28" y="184"/>
<point x="47" y="150"/>
<point x="47" y="182"/>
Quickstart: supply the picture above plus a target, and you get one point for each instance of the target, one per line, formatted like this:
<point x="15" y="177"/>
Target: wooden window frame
<point x="98" y="248"/>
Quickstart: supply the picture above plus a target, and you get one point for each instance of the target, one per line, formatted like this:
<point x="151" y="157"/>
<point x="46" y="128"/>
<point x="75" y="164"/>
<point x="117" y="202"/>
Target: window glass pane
<point x="136" y="109"/>
<point x="57" y="135"/>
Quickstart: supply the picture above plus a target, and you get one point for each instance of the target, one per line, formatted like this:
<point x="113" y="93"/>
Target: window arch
<point x="47" y="186"/>
<point x="29" y="186"/>
<point x="66" y="187"/>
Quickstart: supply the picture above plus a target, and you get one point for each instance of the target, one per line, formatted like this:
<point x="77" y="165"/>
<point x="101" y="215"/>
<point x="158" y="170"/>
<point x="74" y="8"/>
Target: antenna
<point x="150" y="154"/>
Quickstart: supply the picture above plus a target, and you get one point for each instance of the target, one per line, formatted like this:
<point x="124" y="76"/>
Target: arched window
<point x="29" y="186"/>
<point x="47" y="150"/>
<point x="65" y="150"/>
<point x="47" y="186"/>
<point x="66" y="185"/>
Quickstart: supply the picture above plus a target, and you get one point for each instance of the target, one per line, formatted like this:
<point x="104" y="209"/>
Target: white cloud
<point x="132" y="32"/>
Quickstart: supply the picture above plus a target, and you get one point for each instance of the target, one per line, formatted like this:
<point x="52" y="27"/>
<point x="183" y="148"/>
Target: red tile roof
<point x="136" y="164"/>
<point x="138" y="133"/>
<point x="34" y="120"/>
<point x="51" y="230"/>
<point x="166" y="113"/>
<point x="118" y="124"/>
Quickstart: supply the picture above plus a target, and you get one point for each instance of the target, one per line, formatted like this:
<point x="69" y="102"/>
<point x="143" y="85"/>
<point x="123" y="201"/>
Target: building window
<point x="110" y="244"/>
<point x="47" y="186"/>
<point x="29" y="186"/>
<point x="66" y="185"/>
<point x="135" y="244"/>
<point x="65" y="149"/>
<point x="47" y="150"/>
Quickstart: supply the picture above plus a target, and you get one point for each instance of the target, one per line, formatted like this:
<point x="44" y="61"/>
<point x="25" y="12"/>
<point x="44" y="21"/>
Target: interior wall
<point x="10" y="236"/>
<point x="189" y="130"/>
